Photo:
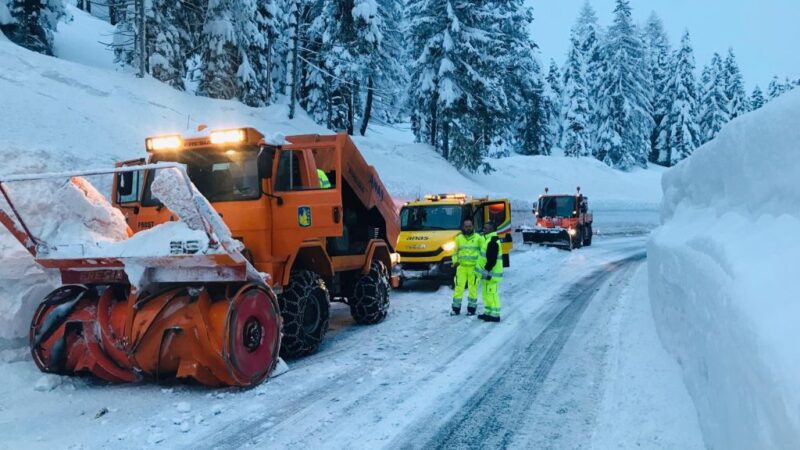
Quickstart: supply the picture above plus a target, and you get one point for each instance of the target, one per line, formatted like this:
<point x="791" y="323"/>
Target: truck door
<point x="307" y="201"/>
<point x="498" y="212"/>
<point x="126" y="190"/>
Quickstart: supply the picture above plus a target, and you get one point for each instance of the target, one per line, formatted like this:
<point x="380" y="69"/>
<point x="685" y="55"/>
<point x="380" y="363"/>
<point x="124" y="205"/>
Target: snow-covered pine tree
<point x="734" y="87"/>
<point x="527" y="116"/>
<point x="624" y="109"/>
<point x="255" y="75"/>
<point x="340" y="61"/>
<point x="377" y="26"/>
<point x="576" y="137"/>
<point x="167" y="59"/>
<point x="391" y="103"/>
<point x="126" y="52"/>
<point x="680" y="134"/>
<point x="31" y="23"/>
<point x="658" y="61"/>
<point x="777" y="88"/>
<point x="713" y="101"/>
<point x="429" y="41"/>
<point x="589" y="34"/>
<point x="221" y="51"/>
<point x="757" y="99"/>
<point x="554" y="98"/>
<point x="457" y="88"/>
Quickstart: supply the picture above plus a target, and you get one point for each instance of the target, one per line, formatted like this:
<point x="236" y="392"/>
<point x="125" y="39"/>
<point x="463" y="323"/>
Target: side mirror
<point x="536" y="212"/>
<point x="125" y="184"/>
<point x="584" y="208"/>
<point x="265" y="157"/>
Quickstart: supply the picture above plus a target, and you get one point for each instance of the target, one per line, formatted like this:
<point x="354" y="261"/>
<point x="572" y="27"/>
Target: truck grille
<point x="436" y="252"/>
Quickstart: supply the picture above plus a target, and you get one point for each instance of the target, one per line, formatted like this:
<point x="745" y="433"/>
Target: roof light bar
<point x="171" y="142"/>
<point x="236" y="136"/>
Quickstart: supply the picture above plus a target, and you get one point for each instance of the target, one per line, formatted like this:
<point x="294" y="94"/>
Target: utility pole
<point x="142" y="35"/>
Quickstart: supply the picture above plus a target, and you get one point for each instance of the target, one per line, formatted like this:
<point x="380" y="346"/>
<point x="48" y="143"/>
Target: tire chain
<point x="370" y="303"/>
<point x="296" y="341"/>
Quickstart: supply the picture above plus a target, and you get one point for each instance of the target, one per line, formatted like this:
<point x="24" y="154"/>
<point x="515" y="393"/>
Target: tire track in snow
<point x="496" y="411"/>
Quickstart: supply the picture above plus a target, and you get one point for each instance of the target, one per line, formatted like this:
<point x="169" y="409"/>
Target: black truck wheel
<point x="305" y="308"/>
<point x="370" y="301"/>
<point x="588" y="240"/>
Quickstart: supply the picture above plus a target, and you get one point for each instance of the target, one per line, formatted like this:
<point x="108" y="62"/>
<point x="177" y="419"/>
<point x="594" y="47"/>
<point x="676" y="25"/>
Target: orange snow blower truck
<point x="561" y="221"/>
<point x="305" y="217"/>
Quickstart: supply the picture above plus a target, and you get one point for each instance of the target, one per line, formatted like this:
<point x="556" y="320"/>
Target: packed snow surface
<point x="722" y="270"/>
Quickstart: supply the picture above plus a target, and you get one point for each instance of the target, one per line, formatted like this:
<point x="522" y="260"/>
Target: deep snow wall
<point x="723" y="272"/>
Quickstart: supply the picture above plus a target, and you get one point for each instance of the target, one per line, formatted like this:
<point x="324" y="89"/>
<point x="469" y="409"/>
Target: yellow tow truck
<point x="429" y="226"/>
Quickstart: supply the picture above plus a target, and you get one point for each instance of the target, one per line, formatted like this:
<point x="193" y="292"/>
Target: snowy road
<point x="545" y="377"/>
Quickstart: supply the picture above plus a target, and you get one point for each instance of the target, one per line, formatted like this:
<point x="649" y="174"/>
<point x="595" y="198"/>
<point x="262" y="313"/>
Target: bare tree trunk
<point x="269" y="71"/>
<point x="142" y="38"/>
<point x="367" y="107"/>
<point x="295" y="71"/>
<point x="446" y="139"/>
<point x="112" y="12"/>
<point x="350" y="112"/>
<point x="434" y="119"/>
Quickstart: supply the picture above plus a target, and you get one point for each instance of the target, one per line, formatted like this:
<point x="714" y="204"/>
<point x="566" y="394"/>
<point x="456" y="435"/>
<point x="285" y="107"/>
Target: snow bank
<point x="82" y="37"/>
<point x="721" y="272"/>
<point x="410" y="170"/>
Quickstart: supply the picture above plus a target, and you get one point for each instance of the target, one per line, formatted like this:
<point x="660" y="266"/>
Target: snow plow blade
<point x="132" y="311"/>
<point x="546" y="236"/>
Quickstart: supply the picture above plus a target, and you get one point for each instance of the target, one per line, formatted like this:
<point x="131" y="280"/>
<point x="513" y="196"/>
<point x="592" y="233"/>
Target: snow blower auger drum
<point x="213" y="334"/>
<point x="182" y="302"/>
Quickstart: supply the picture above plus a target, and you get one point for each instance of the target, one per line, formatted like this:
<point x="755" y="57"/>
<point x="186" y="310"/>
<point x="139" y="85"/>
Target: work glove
<point x="455" y="265"/>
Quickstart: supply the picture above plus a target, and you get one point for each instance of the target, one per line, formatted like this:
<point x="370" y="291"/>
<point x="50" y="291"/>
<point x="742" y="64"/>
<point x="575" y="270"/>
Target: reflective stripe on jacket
<point x="468" y="249"/>
<point x="490" y="261"/>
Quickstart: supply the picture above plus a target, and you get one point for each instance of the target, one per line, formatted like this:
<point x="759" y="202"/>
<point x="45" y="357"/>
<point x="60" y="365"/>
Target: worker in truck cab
<point x="465" y="257"/>
<point x="324" y="181"/>
<point x="490" y="269"/>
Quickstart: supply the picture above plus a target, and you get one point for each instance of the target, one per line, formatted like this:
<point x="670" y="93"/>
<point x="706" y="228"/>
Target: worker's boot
<point x="471" y="310"/>
<point x="455" y="311"/>
<point x="488" y="318"/>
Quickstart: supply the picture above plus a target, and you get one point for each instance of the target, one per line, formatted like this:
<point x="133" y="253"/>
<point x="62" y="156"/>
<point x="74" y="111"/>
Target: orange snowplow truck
<point x="307" y="218"/>
<point x="562" y="220"/>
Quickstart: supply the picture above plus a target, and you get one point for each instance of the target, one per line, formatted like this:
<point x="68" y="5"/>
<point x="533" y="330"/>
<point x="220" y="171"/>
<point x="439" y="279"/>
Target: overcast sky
<point x="763" y="33"/>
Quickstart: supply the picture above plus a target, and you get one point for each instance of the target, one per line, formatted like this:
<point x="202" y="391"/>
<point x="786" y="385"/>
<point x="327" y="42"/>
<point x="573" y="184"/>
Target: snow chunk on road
<point x="47" y="383"/>
<point x="184" y="407"/>
<point x="721" y="271"/>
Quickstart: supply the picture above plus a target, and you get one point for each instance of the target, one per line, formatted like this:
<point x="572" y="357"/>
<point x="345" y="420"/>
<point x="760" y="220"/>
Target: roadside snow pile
<point x="722" y="273"/>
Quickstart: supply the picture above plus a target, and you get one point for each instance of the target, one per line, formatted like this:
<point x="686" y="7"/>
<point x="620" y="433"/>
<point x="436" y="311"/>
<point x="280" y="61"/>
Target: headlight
<point x="449" y="247"/>
<point x="572" y="231"/>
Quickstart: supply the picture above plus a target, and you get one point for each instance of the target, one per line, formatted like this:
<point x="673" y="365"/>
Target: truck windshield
<point x="219" y="176"/>
<point x="434" y="217"/>
<point x="557" y="206"/>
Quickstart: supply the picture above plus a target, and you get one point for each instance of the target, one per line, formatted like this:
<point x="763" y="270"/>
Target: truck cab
<point x="562" y="220"/>
<point x="429" y="226"/>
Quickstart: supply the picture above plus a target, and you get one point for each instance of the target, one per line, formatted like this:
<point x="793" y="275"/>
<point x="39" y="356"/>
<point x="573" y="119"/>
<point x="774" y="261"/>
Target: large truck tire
<point x="370" y="301"/>
<point x="305" y="308"/>
<point x="588" y="241"/>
